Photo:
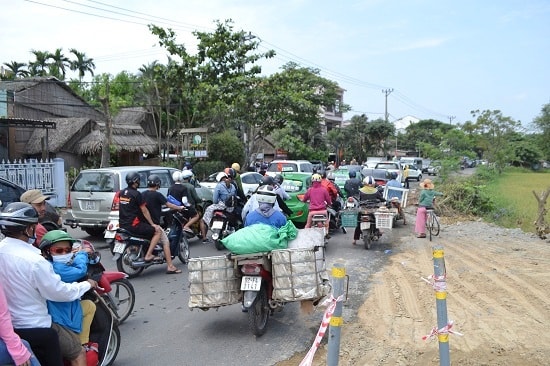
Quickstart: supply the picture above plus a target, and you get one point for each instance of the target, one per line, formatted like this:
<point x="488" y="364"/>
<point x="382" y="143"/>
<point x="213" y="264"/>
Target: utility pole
<point x="387" y="92"/>
<point x="106" y="152"/>
<point x="451" y="119"/>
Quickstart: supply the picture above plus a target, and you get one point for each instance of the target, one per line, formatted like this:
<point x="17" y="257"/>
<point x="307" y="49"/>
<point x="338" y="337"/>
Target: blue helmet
<point x="352" y="174"/>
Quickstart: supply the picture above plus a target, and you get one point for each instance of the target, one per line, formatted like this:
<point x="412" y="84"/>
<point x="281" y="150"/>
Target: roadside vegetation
<point x="505" y="199"/>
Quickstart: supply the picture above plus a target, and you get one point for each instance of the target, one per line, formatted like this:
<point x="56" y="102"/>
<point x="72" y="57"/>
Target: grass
<point x="512" y="193"/>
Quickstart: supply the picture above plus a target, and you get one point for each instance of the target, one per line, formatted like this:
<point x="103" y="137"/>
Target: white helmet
<point x="266" y="194"/>
<point x="220" y="176"/>
<point x="186" y="174"/>
<point x="369" y="181"/>
<point x="176" y="176"/>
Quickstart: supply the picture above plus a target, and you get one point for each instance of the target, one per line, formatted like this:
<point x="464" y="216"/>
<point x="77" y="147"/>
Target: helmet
<point x="186" y="174"/>
<point x="322" y="172"/>
<point x="393" y="175"/>
<point x="153" y="181"/>
<point x="267" y="180"/>
<point x="220" y="176"/>
<point x="330" y="176"/>
<point x="266" y="194"/>
<point x="54" y="236"/>
<point x="177" y="176"/>
<point x="369" y="181"/>
<point x="187" y="165"/>
<point x="278" y="179"/>
<point x="230" y="172"/>
<point x="132" y="177"/>
<point x="316" y="178"/>
<point x="236" y="166"/>
<point x="352" y="174"/>
<point x="18" y="215"/>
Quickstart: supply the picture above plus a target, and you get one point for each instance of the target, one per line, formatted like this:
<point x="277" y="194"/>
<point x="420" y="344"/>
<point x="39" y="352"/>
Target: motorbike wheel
<point x="258" y="313"/>
<point x="124" y="262"/>
<point x="183" y="250"/>
<point x="218" y="244"/>
<point x="112" y="347"/>
<point x="121" y="299"/>
<point x="367" y="238"/>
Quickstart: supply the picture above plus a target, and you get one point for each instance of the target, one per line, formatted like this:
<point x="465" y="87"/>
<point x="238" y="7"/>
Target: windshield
<point x="95" y="182"/>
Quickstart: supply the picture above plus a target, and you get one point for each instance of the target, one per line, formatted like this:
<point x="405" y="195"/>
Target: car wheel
<point x="419" y="177"/>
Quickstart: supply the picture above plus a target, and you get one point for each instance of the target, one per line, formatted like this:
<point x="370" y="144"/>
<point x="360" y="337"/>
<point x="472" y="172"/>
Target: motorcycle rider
<point x="154" y="201"/>
<point x="45" y="218"/>
<point x="135" y="217"/>
<point x="28" y="280"/>
<point x="192" y="198"/>
<point x="370" y="193"/>
<point x="237" y="180"/>
<point x="252" y="203"/>
<point x="71" y="266"/>
<point x="318" y="198"/>
<point x="352" y="185"/>
<point x="282" y="195"/>
<point x="395" y="195"/>
<point x="266" y="213"/>
<point x="222" y="192"/>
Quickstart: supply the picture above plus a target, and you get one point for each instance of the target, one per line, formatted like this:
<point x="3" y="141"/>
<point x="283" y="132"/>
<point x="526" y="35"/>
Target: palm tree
<point x="16" y="69"/>
<point x="59" y="64"/>
<point x="82" y="64"/>
<point x="39" y="65"/>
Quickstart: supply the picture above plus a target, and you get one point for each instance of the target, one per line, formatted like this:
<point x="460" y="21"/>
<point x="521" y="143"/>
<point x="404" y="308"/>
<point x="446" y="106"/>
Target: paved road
<point x="162" y="329"/>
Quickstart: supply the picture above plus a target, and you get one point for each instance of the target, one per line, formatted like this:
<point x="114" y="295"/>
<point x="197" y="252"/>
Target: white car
<point x="250" y="181"/>
<point x="414" y="173"/>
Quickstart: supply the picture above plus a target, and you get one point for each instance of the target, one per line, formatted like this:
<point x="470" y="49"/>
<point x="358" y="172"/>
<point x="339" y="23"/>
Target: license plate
<point x="365" y="225"/>
<point x="119" y="247"/>
<point x="109" y="234"/>
<point x="251" y="283"/>
<point x="217" y="224"/>
<point x="90" y="206"/>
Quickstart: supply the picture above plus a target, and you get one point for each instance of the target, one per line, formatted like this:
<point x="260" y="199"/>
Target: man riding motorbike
<point x="369" y="193"/>
<point x="352" y="185"/>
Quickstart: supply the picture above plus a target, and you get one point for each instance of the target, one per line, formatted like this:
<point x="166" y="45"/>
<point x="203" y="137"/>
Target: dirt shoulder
<point x="497" y="283"/>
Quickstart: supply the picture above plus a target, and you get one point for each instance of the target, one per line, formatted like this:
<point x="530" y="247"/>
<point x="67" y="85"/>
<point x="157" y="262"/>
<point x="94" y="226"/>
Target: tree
<point x="225" y="147"/>
<point x="380" y="136"/>
<point x="16" y="69"/>
<point x="542" y="122"/>
<point x="39" y="66"/>
<point x="494" y="131"/>
<point x="427" y="131"/>
<point x="60" y="63"/>
<point x="81" y="64"/>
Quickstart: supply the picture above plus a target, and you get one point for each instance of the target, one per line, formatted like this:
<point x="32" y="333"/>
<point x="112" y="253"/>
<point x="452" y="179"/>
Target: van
<point x="90" y="204"/>
<point x="287" y="166"/>
<point x="412" y="161"/>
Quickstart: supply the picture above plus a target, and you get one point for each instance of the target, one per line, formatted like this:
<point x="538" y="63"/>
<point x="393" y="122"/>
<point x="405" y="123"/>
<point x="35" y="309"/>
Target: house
<point x="44" y="118"/>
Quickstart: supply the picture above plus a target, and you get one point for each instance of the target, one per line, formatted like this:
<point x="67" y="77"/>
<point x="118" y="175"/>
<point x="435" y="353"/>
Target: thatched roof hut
<point x="84" y="136"/>
<point x="137" y="116"/>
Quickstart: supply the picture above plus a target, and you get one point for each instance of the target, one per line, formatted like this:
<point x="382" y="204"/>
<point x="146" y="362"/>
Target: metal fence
<point x="47" y="176"/>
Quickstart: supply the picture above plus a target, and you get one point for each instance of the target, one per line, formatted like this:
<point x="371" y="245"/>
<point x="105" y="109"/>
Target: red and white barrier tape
<point x="445" y="330"/>
<point x="331" y="302"/>
<point x="438" y="283"/>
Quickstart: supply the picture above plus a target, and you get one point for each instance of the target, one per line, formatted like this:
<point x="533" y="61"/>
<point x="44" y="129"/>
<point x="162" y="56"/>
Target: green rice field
<point x="516" y="205"/>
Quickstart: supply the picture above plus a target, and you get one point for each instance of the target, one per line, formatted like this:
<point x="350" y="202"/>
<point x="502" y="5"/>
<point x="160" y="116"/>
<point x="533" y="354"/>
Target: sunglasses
<point x="60" y="250"/>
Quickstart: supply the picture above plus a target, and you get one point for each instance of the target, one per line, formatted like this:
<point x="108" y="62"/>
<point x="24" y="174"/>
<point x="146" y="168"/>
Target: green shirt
<point x="427" y="197"/>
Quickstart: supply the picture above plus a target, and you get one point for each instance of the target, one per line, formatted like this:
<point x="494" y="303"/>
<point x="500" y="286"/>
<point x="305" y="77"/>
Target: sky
<point x="434" y="59"/>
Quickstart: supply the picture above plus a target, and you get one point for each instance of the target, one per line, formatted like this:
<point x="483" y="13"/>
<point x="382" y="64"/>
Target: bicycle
<point x="432" y="222"/>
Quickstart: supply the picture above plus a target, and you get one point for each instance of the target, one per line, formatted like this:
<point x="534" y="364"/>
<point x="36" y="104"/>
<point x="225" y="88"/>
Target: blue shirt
<point x="222" y="192"/>
<point x="277" y="219"/>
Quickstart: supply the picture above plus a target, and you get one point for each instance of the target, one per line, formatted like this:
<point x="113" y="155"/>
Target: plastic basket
<point x="384" y="220"/>
<point x="348" y="218"/>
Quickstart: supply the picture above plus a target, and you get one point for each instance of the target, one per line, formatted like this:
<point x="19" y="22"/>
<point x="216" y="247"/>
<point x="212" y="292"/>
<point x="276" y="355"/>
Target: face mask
<point x="31" y="239"/>
<point x="63" y="258"/>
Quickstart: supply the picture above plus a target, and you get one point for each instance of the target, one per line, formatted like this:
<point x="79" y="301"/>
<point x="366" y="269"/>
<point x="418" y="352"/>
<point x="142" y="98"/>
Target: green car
<point x="296" y="185"/>
<point x="341" y="175"/>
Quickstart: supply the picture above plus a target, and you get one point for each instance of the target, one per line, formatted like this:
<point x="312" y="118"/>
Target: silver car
<point x="91" y="202"/>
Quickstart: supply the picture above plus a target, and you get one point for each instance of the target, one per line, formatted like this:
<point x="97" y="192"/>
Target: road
<point x="163" y="330"/>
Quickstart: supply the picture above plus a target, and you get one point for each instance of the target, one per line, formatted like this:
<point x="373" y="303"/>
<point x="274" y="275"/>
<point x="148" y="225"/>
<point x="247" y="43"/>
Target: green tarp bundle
<point x="260" y="238"/>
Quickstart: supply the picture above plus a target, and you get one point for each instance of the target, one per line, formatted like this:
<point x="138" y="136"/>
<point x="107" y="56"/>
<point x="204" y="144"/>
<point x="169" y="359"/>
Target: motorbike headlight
<point x="215" y="236"/>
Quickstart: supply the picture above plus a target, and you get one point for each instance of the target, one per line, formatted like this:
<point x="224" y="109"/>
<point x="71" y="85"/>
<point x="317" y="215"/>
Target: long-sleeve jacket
<point x="318" y="197"/>
<point x="69" y="313"/>
<point x="15" y="347"/>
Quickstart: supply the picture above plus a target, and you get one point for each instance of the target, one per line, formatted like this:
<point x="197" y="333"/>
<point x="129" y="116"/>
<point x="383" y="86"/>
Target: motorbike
<point x="226" y="221"/>
<point x="319" y="221"/>
<point x="334" y="216"/>
<point x="367" y="222"/>
<point x="257" y="288"/>
<point x="114" y="287"/>
<point x="129" y="251"/>
<point x="104" y="329"/>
